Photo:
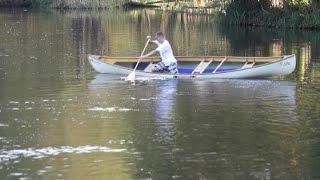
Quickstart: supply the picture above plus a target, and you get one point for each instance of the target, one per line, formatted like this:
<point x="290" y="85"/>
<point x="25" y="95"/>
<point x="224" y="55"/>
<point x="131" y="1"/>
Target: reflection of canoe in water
<point x="203" y="67"/>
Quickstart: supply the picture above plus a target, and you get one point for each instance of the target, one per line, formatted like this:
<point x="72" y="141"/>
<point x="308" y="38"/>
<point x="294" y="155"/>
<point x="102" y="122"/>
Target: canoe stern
<point x="288" y="64"/>
<point x="103" y="67"/>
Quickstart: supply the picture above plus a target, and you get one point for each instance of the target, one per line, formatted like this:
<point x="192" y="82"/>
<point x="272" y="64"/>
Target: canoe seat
<point x="149" y="67"/>
<point x="201" y="67"/>
<point x="247" y="65"/>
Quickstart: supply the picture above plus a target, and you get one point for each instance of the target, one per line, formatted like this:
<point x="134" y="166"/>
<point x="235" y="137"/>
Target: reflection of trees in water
<point x="78" y="31"/>
<point x="270" y="42"/>
<point x="122" y="33"/>
<point x="308" y="138"/>
<point x="30" y="49"/>
<point x="88" y="36"/>
<point x="126" y="31"/>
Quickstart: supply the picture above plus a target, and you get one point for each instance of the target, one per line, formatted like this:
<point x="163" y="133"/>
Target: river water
<point x="61" y="120"/>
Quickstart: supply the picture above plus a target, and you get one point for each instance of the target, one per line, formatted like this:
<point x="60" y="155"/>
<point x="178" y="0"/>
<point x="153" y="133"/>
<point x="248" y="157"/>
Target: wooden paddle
<point x="131" y="77"/>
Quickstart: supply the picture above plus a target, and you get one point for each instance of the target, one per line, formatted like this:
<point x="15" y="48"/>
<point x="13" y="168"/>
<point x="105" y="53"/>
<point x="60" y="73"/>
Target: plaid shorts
<point x="161" y="67"/>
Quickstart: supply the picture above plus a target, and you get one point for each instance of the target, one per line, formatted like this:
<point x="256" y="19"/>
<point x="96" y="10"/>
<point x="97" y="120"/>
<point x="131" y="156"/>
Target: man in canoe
<point x="168" y="61"/>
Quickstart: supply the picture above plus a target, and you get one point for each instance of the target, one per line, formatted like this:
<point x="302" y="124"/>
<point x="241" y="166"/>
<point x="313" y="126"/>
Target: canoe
<point x="200" y="67"/>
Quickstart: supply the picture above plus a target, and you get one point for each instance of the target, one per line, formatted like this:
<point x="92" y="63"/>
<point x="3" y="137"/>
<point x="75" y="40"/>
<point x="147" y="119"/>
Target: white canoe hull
<point x="281" y="67"/>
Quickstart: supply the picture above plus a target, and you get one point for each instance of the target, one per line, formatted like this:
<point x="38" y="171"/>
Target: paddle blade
<point x="131" y="77"/>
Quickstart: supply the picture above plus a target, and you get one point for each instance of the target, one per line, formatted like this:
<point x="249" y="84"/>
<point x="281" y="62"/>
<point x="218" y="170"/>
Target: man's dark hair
<point x="160" y="33"/>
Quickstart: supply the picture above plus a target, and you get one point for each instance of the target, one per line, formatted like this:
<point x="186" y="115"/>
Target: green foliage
<point x="41" y="2"/>
<point x="86" y="4"/>
<point x="261" y="13"/>
<point x="248" y="6"/>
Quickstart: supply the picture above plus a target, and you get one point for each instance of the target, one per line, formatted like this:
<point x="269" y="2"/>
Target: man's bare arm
<point x="149" y="54"/>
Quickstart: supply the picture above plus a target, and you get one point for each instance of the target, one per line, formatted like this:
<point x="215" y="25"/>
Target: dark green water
<point x="61" y="120"/>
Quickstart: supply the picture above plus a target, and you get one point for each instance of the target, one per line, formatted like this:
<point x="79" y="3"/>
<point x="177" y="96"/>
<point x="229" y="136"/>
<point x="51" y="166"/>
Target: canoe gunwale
<point x="129" y="59"/>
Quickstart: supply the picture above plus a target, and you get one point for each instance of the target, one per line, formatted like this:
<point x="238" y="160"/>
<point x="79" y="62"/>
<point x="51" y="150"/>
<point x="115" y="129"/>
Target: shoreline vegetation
<point x="293" y="14"/>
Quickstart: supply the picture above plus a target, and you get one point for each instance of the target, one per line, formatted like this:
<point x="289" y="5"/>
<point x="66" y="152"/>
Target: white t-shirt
<point x="165" y="51"/>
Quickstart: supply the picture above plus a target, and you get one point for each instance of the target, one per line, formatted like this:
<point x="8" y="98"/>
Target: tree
<point x="23" y="3"/>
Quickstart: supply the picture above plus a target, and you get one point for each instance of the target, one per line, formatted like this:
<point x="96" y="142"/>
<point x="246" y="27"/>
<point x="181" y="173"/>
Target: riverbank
<point x="64" y="4"/>
<point x="274" y="19"/>
<point x="292" y="17"/>
<point x="88" y="4"/>
<point x="101" y="4"/>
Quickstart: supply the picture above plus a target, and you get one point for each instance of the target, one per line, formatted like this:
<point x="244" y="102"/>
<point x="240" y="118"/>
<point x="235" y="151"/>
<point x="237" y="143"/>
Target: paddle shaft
<point x="141" y="55"/>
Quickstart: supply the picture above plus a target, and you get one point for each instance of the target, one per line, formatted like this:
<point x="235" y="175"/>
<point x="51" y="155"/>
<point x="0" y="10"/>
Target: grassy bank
<point x="102" y="4"/>
<point x="64" y="4"/>
<point x="85" y="4"/>
<point x="181" y="5"/>
<point x="293" y="17"/>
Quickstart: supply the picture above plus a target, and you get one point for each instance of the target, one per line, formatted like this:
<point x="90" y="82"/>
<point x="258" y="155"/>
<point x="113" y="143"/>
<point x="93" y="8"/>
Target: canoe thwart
<point x="248" y="65"/>
<point x="201" y="67"/>
<point x="215" y="70"/>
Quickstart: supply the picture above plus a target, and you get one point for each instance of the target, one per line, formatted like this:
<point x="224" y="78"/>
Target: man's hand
<point x="148" y="37"/>
<point x="142" y="57"/>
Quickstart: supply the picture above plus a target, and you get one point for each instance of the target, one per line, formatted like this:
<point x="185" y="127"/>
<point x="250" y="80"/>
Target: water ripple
<point x="110" y="109"/>
<point x="7" y="155"/>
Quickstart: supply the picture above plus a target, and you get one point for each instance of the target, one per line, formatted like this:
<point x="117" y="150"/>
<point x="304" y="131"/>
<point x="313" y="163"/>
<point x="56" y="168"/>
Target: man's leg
<point x="159" y="67"/>
<point x="173" y="68"/>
